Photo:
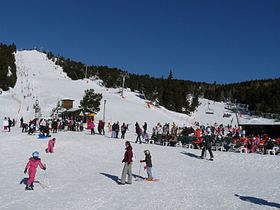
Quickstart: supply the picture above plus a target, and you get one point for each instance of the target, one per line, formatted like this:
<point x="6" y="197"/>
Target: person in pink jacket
<point x="51" y="145"/>
<point x="31" y="166"/>
<point x="92" y="126"/>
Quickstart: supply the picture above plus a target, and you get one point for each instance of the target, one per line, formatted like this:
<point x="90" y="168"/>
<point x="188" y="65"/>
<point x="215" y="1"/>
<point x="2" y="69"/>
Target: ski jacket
<point x="5" y="123"/>
<point x="207" y="141"/>
<point x="51" y="143"/>
<point x="123" y="128"/>
<point x="128" y="155"/>
<point x="145" y="126"/>
<point x="33" y="164"/>
<point x="92" y="125"/>
<point x="148" y="160"/>
<point x="138" y="130"/>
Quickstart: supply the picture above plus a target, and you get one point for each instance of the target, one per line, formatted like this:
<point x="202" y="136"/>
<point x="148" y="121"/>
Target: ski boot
<point x="29" y="187"/>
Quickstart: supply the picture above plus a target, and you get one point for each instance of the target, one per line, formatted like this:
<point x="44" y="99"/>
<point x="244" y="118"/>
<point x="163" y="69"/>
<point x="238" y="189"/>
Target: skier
<point x="123" y="130"/>
<point x="113" y="130"/>
<point x="99" y="127"/>
<point x="31" y="166"/>
<point x="145" y="128"/>
<point x="207" y="144"/>
<point x="148" y="167"/>
<point x="32" y="126"/>
<point x="24" y="127"/>
<point x="5" y="124"/>
<point x="127" y="160"/>
<point x="21" y="122"/>
<point x="138" y="132"/>
<point x="10" y="123"/>
<point x="103" y="127"/>
<point x="50" y="145"/>
<point x="117" y="129"/>
<point x="92" y="125"/>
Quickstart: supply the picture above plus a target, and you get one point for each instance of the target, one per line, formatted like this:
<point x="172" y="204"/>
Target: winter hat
<point x="35" y="154"/>
<point x="147" y="152"/>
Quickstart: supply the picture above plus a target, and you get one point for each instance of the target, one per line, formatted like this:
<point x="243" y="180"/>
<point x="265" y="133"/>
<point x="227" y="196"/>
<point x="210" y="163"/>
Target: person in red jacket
<point x="51" y="145"/>
<point x="127" y="160"/>
<point x="31" y="166"/>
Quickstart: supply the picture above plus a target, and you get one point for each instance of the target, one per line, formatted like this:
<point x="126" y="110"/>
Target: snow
<point x="219" y="110"/>
<point x="81" y="172"/>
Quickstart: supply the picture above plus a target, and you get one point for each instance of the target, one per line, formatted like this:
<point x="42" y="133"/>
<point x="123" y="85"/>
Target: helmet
<point x="35" y="154"/>
<point x="147" y="152"/>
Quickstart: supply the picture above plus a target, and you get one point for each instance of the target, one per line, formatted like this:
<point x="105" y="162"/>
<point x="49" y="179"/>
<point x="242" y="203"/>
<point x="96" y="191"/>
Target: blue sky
<point x="201" y="40"/>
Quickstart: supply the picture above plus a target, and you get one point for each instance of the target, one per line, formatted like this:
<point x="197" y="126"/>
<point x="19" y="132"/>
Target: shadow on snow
<point x="258" y="201"/>
<point x="24" y="181"/>
<point x="116" y="178"/>
<point x="191" y="155"/>
<point x="110" y="176"/>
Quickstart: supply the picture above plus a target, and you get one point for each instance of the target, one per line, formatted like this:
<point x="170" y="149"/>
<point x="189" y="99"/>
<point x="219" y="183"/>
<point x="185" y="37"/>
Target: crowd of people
<point x="230" y="138"/>
<point x="226" y="138"/>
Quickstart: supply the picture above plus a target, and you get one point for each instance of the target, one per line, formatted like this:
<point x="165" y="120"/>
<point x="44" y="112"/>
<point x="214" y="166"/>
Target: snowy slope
<point x="39" y="78"/>
<point x="218" y="109"/>
<point x="80" y="174"/>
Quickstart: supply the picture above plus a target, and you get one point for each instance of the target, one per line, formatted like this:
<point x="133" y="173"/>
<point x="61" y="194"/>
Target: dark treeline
<point x="7" y="62"/>
<point x="182" y="95"/>
<point x="170" y="93"/>
<point x="260" y="95"/>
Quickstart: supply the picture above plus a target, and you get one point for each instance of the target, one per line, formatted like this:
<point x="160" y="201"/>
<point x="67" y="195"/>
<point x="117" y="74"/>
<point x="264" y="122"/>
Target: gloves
<point x="145" y="167"/>
<point x="44" y="168"/>
<point x="25" y="170"/>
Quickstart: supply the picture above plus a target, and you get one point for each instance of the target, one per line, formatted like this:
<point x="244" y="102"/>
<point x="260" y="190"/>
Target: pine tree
<point x="91" y="100"/>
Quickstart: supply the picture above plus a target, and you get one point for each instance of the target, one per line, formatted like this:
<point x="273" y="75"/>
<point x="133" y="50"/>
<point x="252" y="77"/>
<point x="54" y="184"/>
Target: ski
<point x="147" y="180"/>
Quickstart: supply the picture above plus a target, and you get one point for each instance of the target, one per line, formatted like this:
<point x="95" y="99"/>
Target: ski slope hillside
<point x="218" y="109"/>
<point x="82" y="172"/>
<point x="39" y="78"/>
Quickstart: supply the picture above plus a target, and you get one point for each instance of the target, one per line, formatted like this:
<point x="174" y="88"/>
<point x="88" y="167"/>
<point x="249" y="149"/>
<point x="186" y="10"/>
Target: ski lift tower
<point x="37" y="109"/>
<point x="123" y="76"/>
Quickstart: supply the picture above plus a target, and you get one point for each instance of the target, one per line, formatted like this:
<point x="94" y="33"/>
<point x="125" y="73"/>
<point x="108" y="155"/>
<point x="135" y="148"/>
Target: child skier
<point x="51" y="145"/>
<point x="31" y="166"/>
<point x="148" y="161"/>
